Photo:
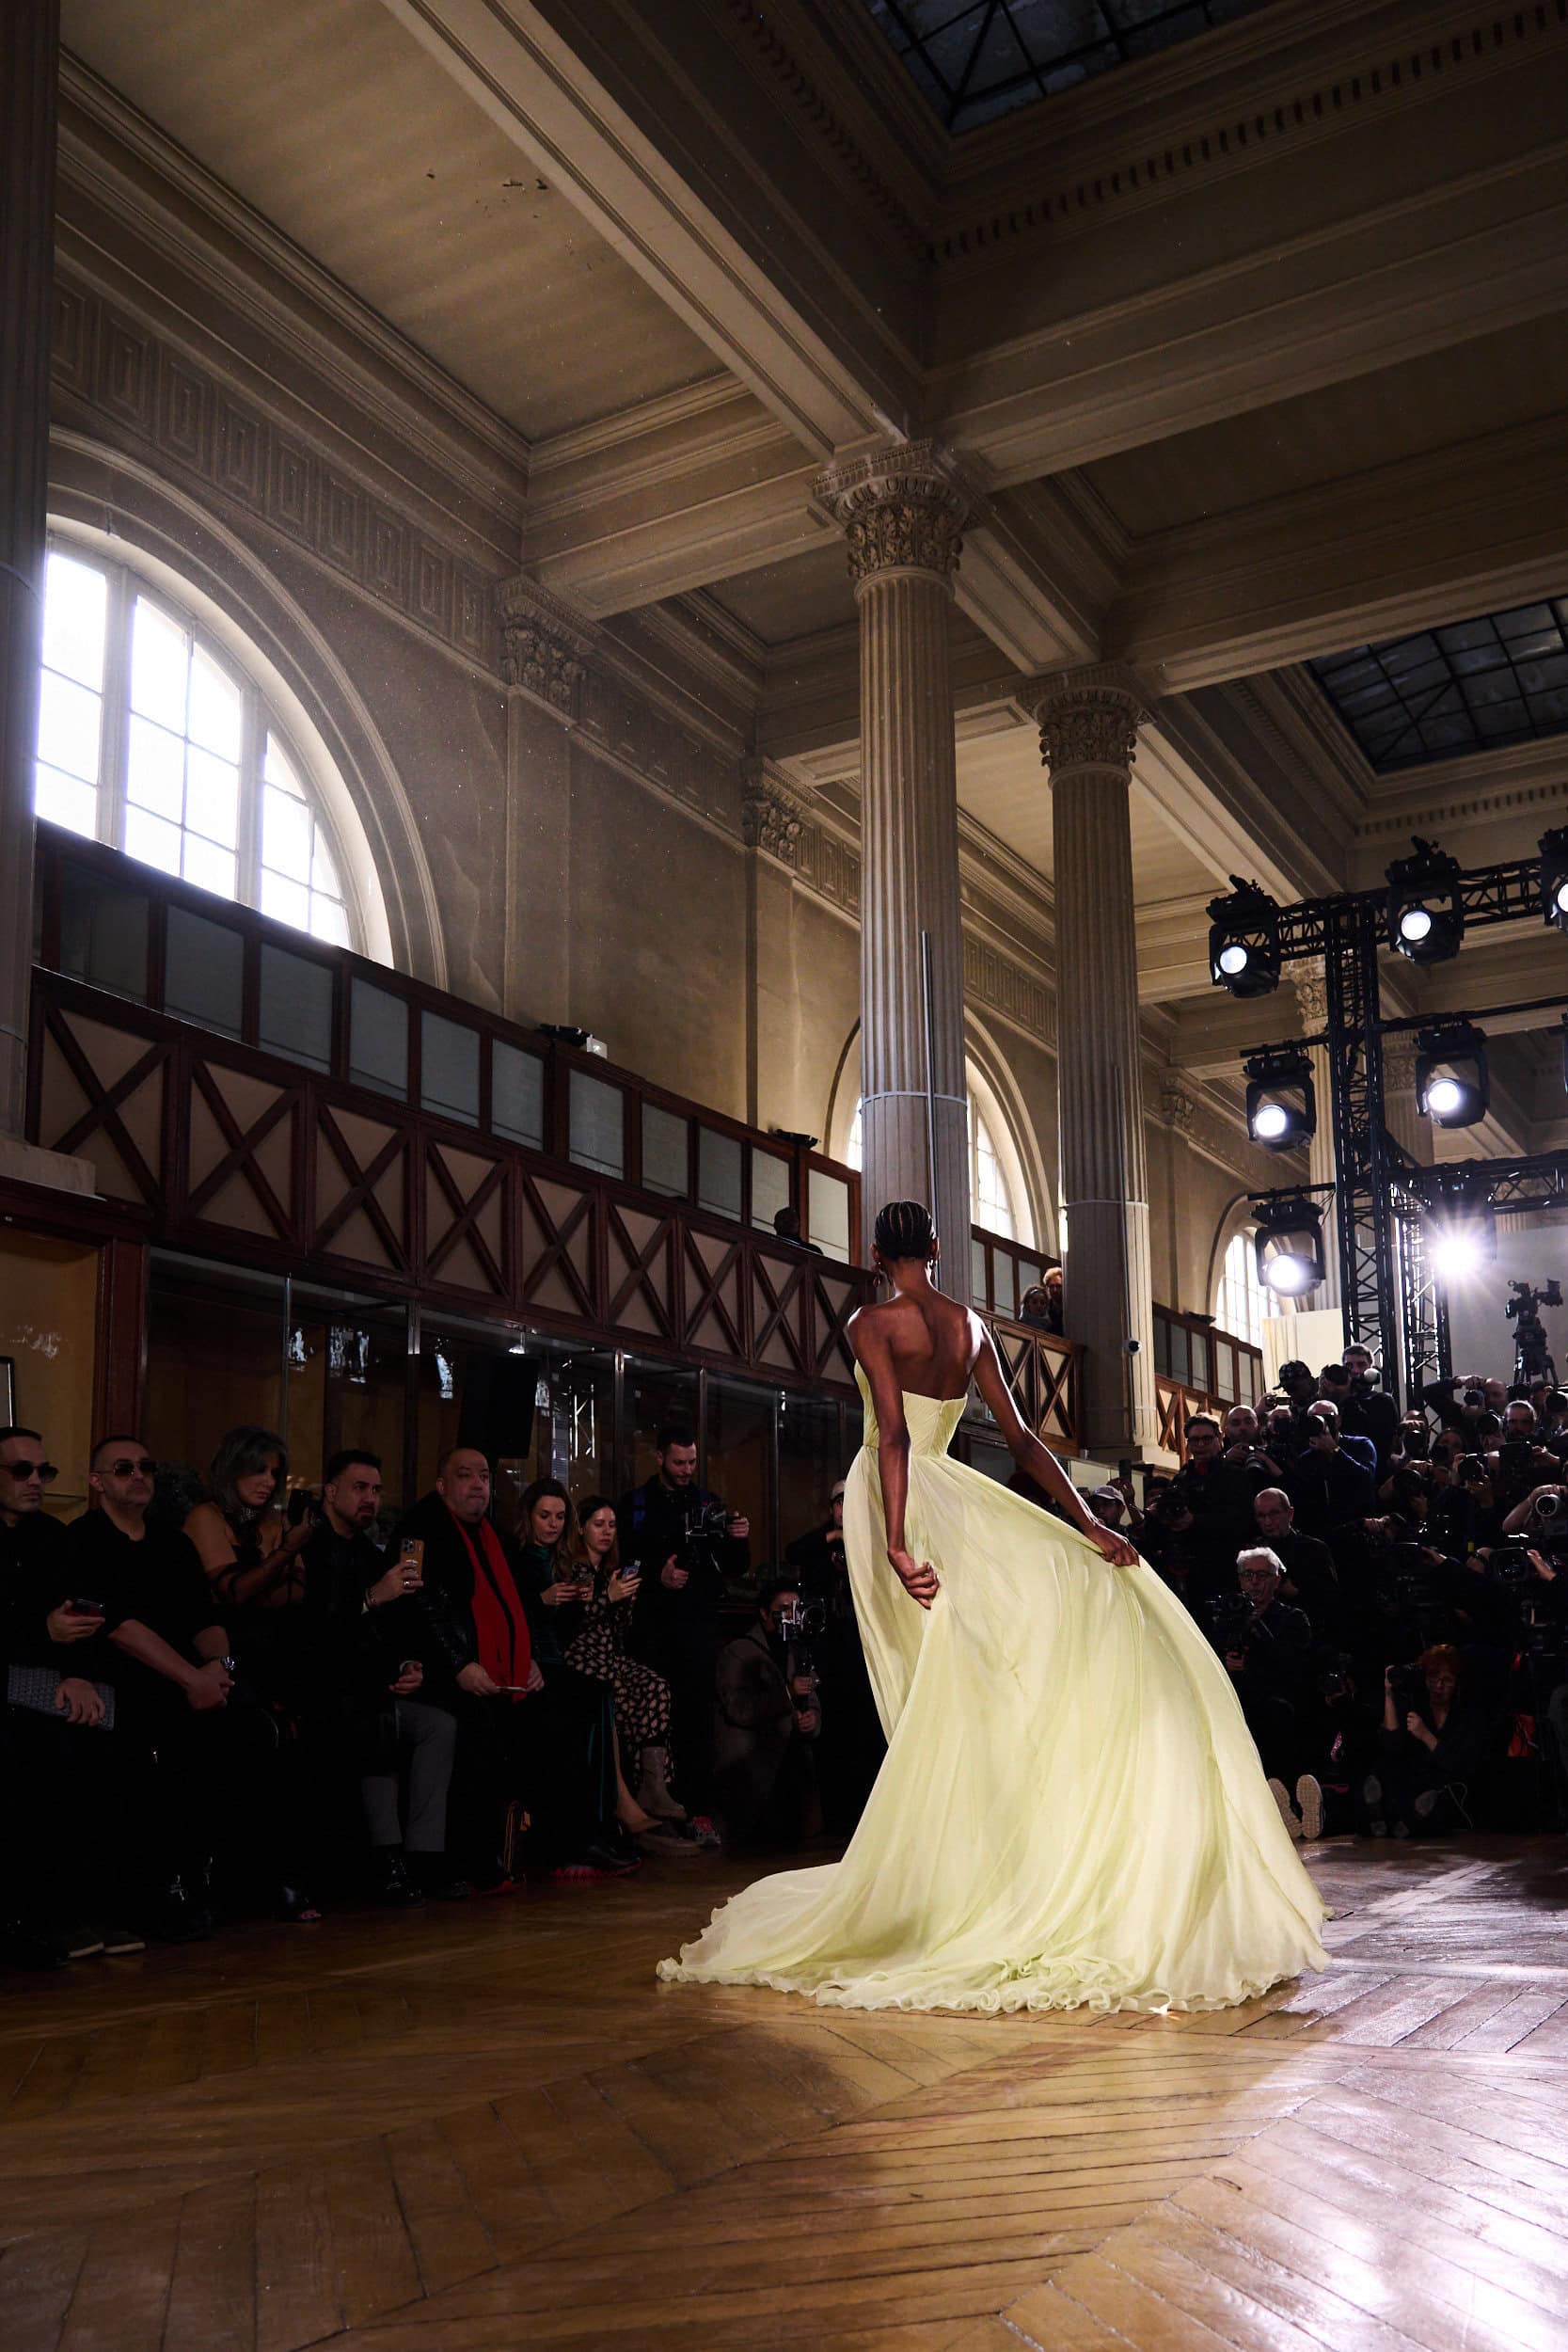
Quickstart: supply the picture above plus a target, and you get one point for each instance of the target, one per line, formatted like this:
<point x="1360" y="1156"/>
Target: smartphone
<point x="631" y="1572"/>
<point x="83" y="1608"/>
<point x="411" y="1553"/>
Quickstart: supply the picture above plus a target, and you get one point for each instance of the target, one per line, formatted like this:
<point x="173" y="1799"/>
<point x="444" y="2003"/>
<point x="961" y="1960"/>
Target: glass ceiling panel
<point x="975" y="60"/>
<point x="1500" y="678"/>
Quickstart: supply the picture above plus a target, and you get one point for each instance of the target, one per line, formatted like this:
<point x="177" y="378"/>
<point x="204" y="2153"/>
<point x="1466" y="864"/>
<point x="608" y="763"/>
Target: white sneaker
<point x="1288" y="1813"/>
<point x="1310" y="1796"/>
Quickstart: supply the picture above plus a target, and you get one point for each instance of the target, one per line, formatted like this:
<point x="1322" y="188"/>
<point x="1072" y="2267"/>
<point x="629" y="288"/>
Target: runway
<point x="487" y="2127"/>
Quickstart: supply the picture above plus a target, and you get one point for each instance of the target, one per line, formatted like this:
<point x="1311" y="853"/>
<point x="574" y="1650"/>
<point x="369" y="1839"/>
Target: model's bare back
<point x="929" y="1342"/>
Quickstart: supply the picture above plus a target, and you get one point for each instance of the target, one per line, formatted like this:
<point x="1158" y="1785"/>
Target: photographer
<point x="1519" y="1463"/>
<point x="1311" y="1576"/>
<point x="1327" y="1485"/>
<point x="1267" y="1646"/>
<point x="766" y="1721"/>
<point x="687" y="1546"/>
<point x="1460" y="1403"/>
<point x="851" y="1748"/>
<point x="1364" y="1411"/>
<point x="1434" y="1737"/>
<point x="1244" y="1442"/>
<point x="1220" y="1494"/>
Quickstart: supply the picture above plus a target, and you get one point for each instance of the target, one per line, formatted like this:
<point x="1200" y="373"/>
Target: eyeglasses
<point x="127" y="1463"/>
<point x="45" y="1472"/>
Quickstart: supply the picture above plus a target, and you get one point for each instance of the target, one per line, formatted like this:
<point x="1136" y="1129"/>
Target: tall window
<point x="990" y="1193"/>
<point x="1242" y="1301"/>
<point x="152" y="741"/>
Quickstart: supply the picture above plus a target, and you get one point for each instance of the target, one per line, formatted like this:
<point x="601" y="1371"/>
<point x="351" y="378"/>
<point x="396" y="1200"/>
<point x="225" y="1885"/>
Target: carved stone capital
<point x="545" y="645"/>
<point x="1399" y="1062"/>
<point x="1311" y="987"/>
<point x="901" y="509"/>
<point x="1088" y="718"/>
<point x="1177" y="1109"/>
<point x="771" y="817"/>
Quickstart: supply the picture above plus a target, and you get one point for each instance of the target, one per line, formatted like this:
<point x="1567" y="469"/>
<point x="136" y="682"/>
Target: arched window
<point x="1242" y="1301"/>
<point x="153" y="740"/>
<point x="994" y="1201"/>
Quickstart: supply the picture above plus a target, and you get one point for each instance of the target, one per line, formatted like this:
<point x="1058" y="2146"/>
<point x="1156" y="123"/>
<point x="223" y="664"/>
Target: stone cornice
<point x="154" y="186"/>
<point x="1279" y="99"/>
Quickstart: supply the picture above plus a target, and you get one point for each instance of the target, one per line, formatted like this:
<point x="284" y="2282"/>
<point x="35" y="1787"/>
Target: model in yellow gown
<point x="1071" y="1811"/>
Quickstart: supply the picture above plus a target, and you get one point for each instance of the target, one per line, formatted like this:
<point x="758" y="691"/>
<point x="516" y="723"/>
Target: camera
<point x="704" y="1526"/>
<point x="1408" y="1689"/>
<point x="1475" y="1396"/>
<point x="1230" y="1620"/>
<point x="1509" y="1566"/>
<point x="1549" y="1505"/>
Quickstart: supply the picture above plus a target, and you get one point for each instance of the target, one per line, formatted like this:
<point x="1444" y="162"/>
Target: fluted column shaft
<point x="29" y="73"/>
<point x="1088" y="722"/>
<point x="902" y="514"/>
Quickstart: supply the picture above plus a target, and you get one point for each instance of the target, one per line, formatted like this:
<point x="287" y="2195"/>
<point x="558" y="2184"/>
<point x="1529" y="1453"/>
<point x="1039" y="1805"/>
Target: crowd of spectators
<point x="1387" y="1593"/>
<point x="240" y="1693"/>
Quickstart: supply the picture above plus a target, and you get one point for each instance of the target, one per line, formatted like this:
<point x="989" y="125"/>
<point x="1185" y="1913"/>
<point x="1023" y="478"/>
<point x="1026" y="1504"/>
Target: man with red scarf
<point x="521" y="1733"/>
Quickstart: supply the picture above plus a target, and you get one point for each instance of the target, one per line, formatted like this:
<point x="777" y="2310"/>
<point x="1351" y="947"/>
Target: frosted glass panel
<point x="597" y="1126"/>
<point x="103" y="935"/>
<point x="448" y="1068"/>
<point x="205" y="972"/>
<point x="718" y="1173"/>
<point x="664" y="1151"/>
<point x="769" y="1187"/>
<point x="829" y="1214"/>
<point x="296" y="1008"/>
<point x="516" y="1094"/>
<point x="378" y="1040"/>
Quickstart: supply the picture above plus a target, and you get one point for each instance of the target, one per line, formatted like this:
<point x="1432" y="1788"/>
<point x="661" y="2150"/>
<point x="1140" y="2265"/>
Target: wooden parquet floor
<point x="488" y="2127"/>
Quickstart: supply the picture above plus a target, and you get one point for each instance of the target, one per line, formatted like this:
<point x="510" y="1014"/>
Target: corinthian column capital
<point x="900" y="509"/>
<point x="1310" y="983"/>
<point x="546" y="644"/>
<point x="772" y="817"/>
<point x="1088" y="718"/>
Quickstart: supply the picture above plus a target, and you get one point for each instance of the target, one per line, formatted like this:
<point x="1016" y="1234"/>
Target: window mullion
<point x="253" y="737"/>
<point x="114" y="745"/>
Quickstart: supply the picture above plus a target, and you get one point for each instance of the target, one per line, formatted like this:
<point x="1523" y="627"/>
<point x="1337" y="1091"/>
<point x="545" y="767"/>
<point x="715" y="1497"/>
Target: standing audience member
<point x="600" y="1648"/>
<point x="521" y="1734"/>
<point x="1365" y="1409"/>
<point x="786" y="1228"/>
<point x="1311" y="1576"/>
<point x="58" y="1822"/>
<point x="1327" y="1485"/>
<point x="1219" y="1494"/>
<point x="675" y="1619"/>
<point x="767" y="1718"/>
<point x="369" y="1727"/>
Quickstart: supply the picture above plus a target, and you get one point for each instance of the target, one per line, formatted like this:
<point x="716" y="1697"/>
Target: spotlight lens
<point x="1444" y="1097"/>
<point x="1290" y="1276"/>
<point x="1455" y="1256"/>
<point x="1233" y="958"/>
<point x="1271" y="1122"/>
<point x="1560" y="897"/>
<point x="1415" y="925"/>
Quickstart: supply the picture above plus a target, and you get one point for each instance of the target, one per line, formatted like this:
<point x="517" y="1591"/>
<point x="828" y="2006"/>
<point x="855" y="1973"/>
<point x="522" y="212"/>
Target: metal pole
<point x="929" y="1011"/>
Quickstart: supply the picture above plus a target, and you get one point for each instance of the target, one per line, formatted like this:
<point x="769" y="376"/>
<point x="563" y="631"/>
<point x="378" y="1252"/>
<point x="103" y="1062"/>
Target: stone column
<point x="1311" y="989"/>
<point x="902" y="512"/>
<point x="29" y="73"/>
<point x="1088" y="722"/>
<point x="545" y="649"/>
<point x="1400" y="1116"/>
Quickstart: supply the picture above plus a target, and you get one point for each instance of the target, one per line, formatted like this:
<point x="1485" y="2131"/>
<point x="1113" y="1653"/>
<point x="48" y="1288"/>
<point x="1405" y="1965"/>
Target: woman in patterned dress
<point x="599" y="1648"/>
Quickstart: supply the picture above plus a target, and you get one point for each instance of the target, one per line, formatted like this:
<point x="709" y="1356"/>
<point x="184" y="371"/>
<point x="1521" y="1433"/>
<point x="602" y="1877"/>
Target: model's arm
<point x="1039" y="1462"/>
<point x="872" y="1352"/>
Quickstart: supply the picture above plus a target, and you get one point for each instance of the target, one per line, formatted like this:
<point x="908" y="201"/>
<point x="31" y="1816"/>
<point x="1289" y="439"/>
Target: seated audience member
<point x="767" y="1718"/>
<point x="1269" y="1654"/>
<point x="1433" y="1743"/>
<point x="786" y="1228"/>
<point x="57" y="1825"/>
<point x="1219" y="1496"/>
<point x="1312" y="1575"/>
<point x="676" y="1617"/>
<point x="523" y="1732"/>
<point x="249" y="1552"/>
<point x="1328" y="1487"/>
<point x="556" y="1591"/>
<point x="599" y="1647"/>
<point x="369" y="1727"/>
<point x="202" y="1764"/>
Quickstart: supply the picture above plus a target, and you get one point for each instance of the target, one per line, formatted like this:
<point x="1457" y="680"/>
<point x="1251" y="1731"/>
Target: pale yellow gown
<point x="1071" y="1811"/>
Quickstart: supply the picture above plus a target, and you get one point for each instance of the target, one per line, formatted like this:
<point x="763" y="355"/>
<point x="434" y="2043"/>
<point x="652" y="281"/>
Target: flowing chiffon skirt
<point x="1071" y="1811"/>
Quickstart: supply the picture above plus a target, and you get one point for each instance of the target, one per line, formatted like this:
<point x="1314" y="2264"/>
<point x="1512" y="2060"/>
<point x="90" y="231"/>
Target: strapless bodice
<point x="930" y="1419"/>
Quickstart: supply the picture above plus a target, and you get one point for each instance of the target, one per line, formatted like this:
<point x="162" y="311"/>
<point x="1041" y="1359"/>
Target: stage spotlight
<point x="1281" y="1100"/>
<point x="1289" y="1246"/>
<point x="1554" y="877"/>
<point x="1244" y="940"/>
<point x="1459" y="1232"/>
<point x="1426" y="920"/>
<point x="1452" y="1089"/>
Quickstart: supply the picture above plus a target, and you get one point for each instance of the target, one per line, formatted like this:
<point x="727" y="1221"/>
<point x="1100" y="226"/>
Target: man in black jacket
<point x="1219" y="1494"/>
<point x="366" y="1634"/>
<point x="1311" y="1577"/>
<point x="766" y="1721"/>
<point x="685" y="1564"/>
<point x="544" y="1738"/>
<point x="1327" y="1487"/>
<point x="1270" y="1663"/>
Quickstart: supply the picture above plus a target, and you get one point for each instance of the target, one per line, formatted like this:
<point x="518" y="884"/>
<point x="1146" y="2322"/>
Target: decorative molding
<point x="1177" y="1108"/>
<point x="1088" y="719"/>
<point x="900" y="509"/>
<point x="773" y="817"/>
<point x="545" y="645"/>
<point x="112" y="369"/>
<point x="1272" y="125"/>
<point x="1310" y="983"/>
<point x="1003" y="987"/>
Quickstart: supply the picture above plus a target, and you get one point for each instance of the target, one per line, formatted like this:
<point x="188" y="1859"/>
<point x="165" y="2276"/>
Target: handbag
<point x="36" y="1689"/>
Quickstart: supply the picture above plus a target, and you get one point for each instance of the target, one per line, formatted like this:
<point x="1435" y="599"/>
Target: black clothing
<point x="677" y="1633"/>
<point x="554" y="1628"/>
<point x="1329" y="1490"/>
<point x="818" y="1561"/>
<point x="1441" y="1397"/>
<point x="1310" y="1566"/>
<point x="1370" y="1413"/>
<point x="159" y="1582"/>
<point x="1220" y="1496"/>
<point x="448" y="1641"/>
<point x="1276" y="1690"/>
<point x="33" y="1580"/>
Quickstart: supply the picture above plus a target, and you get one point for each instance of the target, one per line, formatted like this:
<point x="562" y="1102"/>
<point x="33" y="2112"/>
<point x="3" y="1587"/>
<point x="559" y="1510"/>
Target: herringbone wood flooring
<point x="489" y="2127"/>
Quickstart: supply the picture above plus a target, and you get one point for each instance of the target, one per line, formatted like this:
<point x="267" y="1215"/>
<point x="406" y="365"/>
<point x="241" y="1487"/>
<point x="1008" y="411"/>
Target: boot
<point x="652" y="1790"/>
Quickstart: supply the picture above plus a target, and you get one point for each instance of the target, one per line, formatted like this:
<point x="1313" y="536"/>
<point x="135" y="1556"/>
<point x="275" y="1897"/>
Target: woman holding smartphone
<point x="600" y="1648"/>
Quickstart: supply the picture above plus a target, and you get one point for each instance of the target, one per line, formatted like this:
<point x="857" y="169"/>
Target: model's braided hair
<point x="903" y="1231"/>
